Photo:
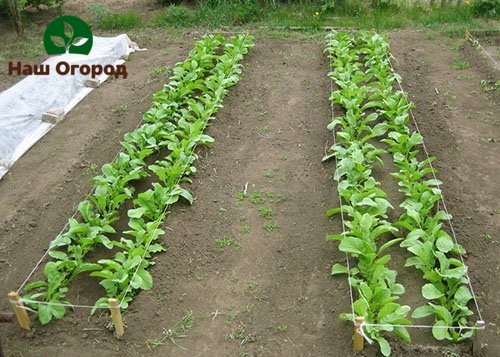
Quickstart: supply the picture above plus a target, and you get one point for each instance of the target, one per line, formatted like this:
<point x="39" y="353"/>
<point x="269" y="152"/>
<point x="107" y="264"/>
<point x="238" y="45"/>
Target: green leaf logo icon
<point x="68" y="34"/>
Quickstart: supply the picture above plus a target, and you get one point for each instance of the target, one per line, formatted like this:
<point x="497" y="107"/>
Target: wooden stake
<point x="467" y="34"/>
<point x="358" y="339"/>
<point x="116" y="316"/>
<point x="21" y="314"/>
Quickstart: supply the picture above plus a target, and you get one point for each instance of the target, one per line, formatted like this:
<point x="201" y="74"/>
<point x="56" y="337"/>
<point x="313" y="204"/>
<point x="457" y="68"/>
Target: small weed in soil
<point x="179" y="330"/>
<point x="240" y="196"/>
<point x="282" y="328"/>
<point x="266" y="212"/>
<point x="120" y="109"/>
<point x="159" y="71"/>
<point x="252" y="285"/>
<point x="244" y="226"/>
<point x="464" y="77"/>
<point x="460" y="64"/>
<point x="227" y="242"/>
<point x="270" y="226"/>
<point x="256" y="198"/>
<point x="269" y="174"/>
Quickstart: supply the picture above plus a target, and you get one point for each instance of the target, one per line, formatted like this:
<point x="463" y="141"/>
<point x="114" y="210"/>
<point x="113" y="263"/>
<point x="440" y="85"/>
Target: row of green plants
<point x="364" y="204"/>
<point x="173" y="128"/>
<point x="434" y="251"/>
<point x="376" y="111"/>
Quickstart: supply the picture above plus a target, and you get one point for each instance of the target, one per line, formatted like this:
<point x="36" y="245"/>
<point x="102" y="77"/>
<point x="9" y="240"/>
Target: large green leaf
<point x="44" y="314"/>
<point x="136" y="212"/>
<point x="431" y="292"/>
<point x="422" y="311"/>
<point x="58" y="255"/>
<point x="352" y="245"/>
<point x="147" y="280"/>
<point x="444" y="244"/>
<point x="439" y="331"/>
<point x="385" y="348"/>
<point x="389" y="244"/>
<point x="339" y="269"/>
<point x="402" y="333"/>
<point x="462" y="295"/>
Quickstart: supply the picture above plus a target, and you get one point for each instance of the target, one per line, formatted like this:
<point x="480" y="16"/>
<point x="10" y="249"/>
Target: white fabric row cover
<point x="22" y="105"/>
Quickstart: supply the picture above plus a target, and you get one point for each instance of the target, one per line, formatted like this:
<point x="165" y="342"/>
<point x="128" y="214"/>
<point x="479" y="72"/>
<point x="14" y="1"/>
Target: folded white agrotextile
<point x="22" y="105"/>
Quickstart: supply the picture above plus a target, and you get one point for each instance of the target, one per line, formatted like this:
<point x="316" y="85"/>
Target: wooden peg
<point x="467" y="34"/>
<point x="116" y="316"/>
<point x="21" y="314"/>
<point x="358" y="339"/>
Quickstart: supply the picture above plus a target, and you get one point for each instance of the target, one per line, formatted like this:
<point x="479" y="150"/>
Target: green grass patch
<point x="105" y="19"/>
<point x="266" y="212"/>
<point x="270" y="226"/>
<point x="257" y="198"/>
<point x="460" y="64"/>
<point x="224" y="242"/>
<point x="175" y="16"/>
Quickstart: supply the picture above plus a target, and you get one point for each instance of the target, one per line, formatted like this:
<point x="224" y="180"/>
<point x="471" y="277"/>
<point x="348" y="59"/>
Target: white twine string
<point x="452" y="229"/>
<point x="361" y="331"/>
<point x="21" y="306"/>
<point x="29" y="301"/>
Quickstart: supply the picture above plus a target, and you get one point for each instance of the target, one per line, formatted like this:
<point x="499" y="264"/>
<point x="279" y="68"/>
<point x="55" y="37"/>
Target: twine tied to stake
<point x="361" y="331"/>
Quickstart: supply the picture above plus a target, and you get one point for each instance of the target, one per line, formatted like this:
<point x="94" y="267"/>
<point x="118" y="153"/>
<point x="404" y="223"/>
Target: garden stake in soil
<point x="116" y="316"/>
<point x="358" y="339"/>
<point x="19" y="310"/>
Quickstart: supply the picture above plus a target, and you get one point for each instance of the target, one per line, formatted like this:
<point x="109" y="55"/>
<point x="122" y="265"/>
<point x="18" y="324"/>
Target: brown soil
<point x="270" y="294"/>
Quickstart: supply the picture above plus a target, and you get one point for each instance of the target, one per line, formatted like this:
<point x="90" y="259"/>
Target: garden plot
<point x="231" y="286"/>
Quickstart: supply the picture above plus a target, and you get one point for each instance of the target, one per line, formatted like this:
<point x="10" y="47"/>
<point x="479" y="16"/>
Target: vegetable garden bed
<point x="267" y="293"/>
<point x="375" y="110"/>
<point x="173" y="127"/>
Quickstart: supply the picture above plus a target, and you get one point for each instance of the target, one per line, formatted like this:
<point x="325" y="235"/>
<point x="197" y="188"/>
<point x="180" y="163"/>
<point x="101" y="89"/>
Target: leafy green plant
<point x="257" y="198"/>
<point x="460" y="64"/>
<point x="266" y="212"/>
<point x="270" y="226"/>
<point x="282" y="328"/>
<point x="224" y="242"/>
